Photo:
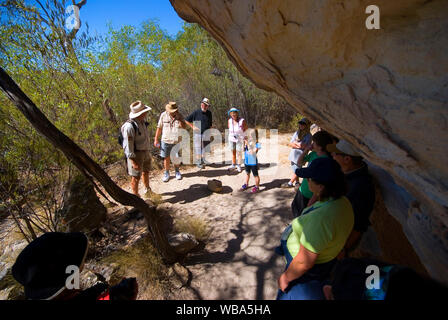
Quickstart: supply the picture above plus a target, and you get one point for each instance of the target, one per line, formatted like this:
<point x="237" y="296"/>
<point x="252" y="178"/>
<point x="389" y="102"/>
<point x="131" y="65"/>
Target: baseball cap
<point x="322" y="170"/>
<point x="343" y="147"/>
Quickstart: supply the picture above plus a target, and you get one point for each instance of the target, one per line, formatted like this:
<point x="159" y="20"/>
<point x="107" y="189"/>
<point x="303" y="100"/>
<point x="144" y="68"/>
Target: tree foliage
<point x="84" y="85"/>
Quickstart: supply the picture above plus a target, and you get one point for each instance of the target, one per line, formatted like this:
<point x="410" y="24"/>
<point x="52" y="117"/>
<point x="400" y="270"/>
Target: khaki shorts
<point x="143" y="159"/>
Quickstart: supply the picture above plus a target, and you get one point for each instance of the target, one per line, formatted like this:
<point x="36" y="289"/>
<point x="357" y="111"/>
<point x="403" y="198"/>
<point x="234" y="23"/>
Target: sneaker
<point x="200" y="166"/>
<point x="238" y="168"/>
<point x="147" y="191"/>
<point x="287" y="185"/>
<point x="232" y="167"/>
<point x="166" y="176"/>
<point x="255" y="190"/>
<point x="178" y="175"/>
<point x="244" y="187"/>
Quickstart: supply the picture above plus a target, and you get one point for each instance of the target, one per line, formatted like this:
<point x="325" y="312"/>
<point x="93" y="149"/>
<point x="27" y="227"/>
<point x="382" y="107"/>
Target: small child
<point x="251" y="147"/>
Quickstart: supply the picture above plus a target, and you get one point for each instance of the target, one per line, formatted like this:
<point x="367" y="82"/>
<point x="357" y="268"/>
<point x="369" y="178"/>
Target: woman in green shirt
<point x="304" y="196"/>
<point x="314" y="239"/>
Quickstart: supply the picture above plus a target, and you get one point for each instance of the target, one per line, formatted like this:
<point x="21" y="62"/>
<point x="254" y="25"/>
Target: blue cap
<point x="233" y="110"/>
<point x="322" y="170"/>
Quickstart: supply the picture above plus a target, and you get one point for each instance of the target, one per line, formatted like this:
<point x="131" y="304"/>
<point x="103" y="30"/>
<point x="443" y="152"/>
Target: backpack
<point x="120" y="134"/>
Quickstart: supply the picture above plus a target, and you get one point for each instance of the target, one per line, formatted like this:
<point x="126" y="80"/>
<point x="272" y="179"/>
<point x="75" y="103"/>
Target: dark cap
<point x="322" y="170"/>
<point x="41" y="266"/>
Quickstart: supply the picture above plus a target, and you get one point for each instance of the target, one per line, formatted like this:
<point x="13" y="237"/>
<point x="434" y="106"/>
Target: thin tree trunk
<point x="85" y="164"/>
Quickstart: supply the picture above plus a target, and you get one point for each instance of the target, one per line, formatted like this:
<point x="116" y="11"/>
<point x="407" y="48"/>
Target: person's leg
<point x="146" y="167"/>
<point x="197" y="146"/>
<point x="166" y="163"/>
<point x="310" y="290"/>
<point x="234" y="156"/>
<point x="134" y="185"/>
<point x="257" y="181"/>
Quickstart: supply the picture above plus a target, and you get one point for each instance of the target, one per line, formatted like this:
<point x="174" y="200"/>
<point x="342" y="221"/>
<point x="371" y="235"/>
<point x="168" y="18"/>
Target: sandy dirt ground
<point x="238" y="261"/>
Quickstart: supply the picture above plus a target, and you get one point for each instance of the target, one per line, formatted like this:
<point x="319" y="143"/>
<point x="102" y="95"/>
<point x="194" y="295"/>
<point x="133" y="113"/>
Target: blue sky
<point x="97" y="13"/>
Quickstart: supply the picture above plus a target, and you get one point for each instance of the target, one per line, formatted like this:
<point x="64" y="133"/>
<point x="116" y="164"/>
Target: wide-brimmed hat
<point x="206" y="101"/>
<point x="41" y="266"/>
<point x="137" y="109"/>
<point x="343" y="147"/>
<point x="322" y="170"/>
<point x="171" y="107"/>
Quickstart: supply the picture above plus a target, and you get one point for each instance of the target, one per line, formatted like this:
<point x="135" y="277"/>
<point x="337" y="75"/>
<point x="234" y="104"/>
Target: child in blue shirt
<point x="251" y="147"/>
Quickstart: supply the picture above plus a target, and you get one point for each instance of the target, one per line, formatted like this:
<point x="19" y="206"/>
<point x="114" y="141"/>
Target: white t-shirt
<point x="236" y="133"/>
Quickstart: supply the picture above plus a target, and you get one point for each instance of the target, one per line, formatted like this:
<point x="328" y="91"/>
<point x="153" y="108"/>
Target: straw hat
<point x="137" y="109"/>
<point x="171" y="107"/>
<point x="206" y="101"/>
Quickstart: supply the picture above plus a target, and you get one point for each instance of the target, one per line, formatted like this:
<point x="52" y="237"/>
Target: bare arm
<point x="157" y="136"/>
<point x="301" y="263"/>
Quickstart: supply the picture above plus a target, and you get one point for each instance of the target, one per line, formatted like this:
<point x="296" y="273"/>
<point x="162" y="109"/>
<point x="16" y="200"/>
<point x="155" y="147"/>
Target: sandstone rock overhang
<point x="385" y="90"/>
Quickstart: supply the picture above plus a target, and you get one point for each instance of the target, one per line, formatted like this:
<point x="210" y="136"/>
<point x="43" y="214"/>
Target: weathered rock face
<point x="383" y="90"/>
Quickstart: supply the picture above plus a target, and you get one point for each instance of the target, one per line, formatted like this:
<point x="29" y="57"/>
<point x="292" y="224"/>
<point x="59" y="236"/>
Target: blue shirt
<point x="250" y="158"/>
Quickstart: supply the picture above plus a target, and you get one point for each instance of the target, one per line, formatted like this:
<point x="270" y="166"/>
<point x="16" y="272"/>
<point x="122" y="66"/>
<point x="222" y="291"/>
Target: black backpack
<point x="120" y="134"/>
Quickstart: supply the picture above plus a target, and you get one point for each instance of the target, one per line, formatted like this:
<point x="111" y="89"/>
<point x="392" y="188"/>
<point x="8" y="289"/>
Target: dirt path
<point x="238" y="261"/>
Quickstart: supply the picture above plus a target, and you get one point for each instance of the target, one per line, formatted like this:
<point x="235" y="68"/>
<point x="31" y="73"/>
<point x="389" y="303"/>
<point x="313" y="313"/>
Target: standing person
<point x="237" y="127"/>
<point x="361" y="190"/>
<point x="136" y="145"/>
<point x="304" y="196"/>
<point x="313" y="240"/>
<point x="299" y="142"/>
<point x="169" y="123"/>
<point x="251" y="147"/>
<point x="203" y="116"/>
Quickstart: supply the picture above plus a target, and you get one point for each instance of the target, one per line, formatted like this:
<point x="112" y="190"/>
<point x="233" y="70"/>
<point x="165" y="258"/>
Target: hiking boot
<point x="178" y="175"/>
<point x="238" y="168"/>
<point x="166" y="176"/>
<point x="287" y="185"/>
<point x="255" y="189"/>
<point x="244" y="187"/>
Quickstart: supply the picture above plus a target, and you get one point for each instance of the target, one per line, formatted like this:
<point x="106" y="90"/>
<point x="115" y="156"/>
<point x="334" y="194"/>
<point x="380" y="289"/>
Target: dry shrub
<point x="193" y="225"/>
<point x="143" y="262"/>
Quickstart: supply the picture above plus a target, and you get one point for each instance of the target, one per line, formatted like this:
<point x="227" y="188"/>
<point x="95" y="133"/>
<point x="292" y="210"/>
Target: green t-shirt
<point x="323" y="230"/>
<point x="304" y="189"/>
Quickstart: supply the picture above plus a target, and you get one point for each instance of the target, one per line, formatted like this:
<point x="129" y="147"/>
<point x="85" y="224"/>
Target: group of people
<point x="330" y="210"/>
<point x="137" y="143"/>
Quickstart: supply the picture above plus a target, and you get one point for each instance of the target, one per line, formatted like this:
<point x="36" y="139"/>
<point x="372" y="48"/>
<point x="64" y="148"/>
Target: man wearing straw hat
<point x="136" y="144"/>
<point x="169" y="123"/>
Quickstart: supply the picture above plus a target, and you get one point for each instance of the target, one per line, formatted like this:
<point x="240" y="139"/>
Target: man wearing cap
<point x="361" y="191"/>
<point x="136" y="144"/>
<point x="200" y="121"/>
<point x="169" y="123"/>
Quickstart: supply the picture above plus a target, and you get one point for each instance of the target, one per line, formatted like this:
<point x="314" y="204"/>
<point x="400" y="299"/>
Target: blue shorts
<point x="165" y="149"/>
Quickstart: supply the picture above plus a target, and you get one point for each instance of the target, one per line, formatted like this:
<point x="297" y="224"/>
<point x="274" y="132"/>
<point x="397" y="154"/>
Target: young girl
<point x="237" y="127"/>
<point x="251" y="147"/>
<point x="299" y="141"/>
<point x="305" y="196"/>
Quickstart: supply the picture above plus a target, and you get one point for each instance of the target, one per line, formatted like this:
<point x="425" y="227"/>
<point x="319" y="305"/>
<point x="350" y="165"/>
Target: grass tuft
<point x="193" y="225"/>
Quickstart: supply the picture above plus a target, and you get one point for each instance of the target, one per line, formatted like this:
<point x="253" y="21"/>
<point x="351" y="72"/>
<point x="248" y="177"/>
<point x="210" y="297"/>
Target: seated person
<point x="314" y="239"/>
<point x="361" y="191"/>
<point x="349" y="278"/>
<point x="41" y="269"/>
